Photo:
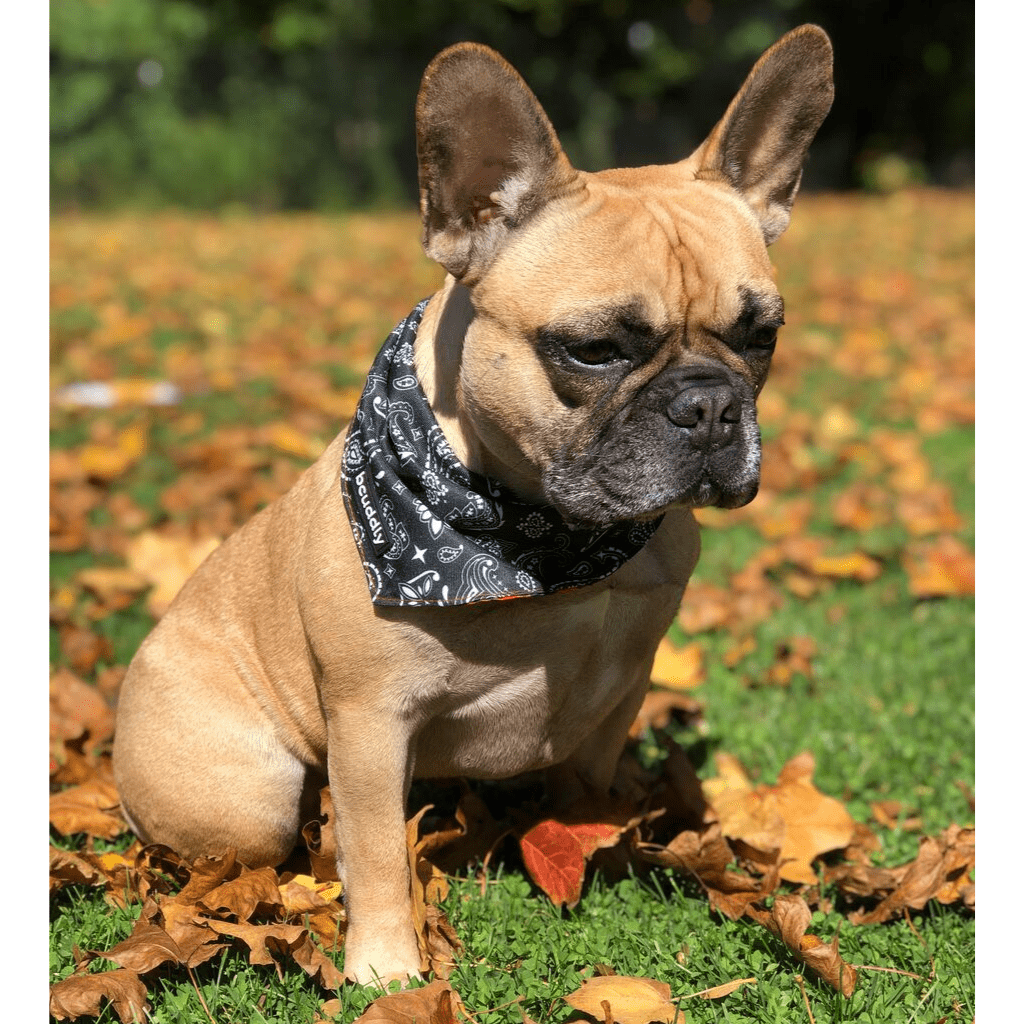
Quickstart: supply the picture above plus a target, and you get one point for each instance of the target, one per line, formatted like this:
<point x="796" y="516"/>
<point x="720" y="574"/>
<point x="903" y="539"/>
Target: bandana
<point x="431" y="531"/>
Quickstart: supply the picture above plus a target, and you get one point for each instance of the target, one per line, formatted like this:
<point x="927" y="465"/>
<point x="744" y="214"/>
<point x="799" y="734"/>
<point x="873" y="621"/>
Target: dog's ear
<point x="488" y="157"/>
<point x="760" y="144"/>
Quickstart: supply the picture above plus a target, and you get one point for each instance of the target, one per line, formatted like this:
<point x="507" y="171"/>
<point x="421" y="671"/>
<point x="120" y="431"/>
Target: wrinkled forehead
<point x="661" y="252"/>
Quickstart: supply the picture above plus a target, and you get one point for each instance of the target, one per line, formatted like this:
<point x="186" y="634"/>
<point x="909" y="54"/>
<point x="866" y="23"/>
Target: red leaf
<point x="554" y="857"/>
<point x="593" y="837"/>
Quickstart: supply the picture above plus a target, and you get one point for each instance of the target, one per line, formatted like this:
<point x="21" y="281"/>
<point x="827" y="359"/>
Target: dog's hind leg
<point x="202" y="779"/>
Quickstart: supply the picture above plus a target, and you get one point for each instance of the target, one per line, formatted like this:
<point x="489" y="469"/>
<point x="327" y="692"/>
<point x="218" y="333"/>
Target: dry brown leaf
<point x="815" y="823"/>
<point x="83" y="648"/>
<point x="320" y="967"/>
<point x="792" y="817"/>
<point x="788" y="919"/>
<point x="782" y="518"/>
<point x="660" y="707"/>
<point x="438" y="942"/>
<point x="167" y="562"/>
<point x="855" y="565"/>
<point x="69" y="868"/>
<point x="941" y="871"/>
<point x="145" y="949"/>
<point x="106" y="460"/>
<point x="262" y="940"/>
<point x="940" y="568"/>
<point x="678" y="668"/>
<point x="929" y="511"/>
<point x="705" y="607"/>
<point x="115" y="588"/>
<point x="77" y="708"/>
<point x="93" y="808"/>
<point x="443" y="945"/>
<point x="242" y="895"/>
<point x="862" y="506"/>
<point x="708" y="857"/>
<point x="893" y="814"/>
<point x="83" y="995"/>
<point x="792" y="657"/>
<point x="303" y="894"/>
<point x="318" y="836"/>
<point x="720" y="991"/>
<point x="186" y="927"/>
<point x="625" y="1000"/>
<point x="436" y="1003"/>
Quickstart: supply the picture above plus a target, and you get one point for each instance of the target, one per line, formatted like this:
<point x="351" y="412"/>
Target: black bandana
<point x="429" y="530"/>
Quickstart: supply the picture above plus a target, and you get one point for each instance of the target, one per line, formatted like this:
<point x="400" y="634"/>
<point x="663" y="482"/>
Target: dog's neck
<point x="438" y="353"/>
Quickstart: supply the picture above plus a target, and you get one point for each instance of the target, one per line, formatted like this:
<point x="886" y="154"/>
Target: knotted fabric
<point x="432" y="532"/>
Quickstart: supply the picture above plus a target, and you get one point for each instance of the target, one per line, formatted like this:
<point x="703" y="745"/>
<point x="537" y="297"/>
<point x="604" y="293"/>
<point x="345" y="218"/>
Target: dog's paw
<point x="376" y="961"/>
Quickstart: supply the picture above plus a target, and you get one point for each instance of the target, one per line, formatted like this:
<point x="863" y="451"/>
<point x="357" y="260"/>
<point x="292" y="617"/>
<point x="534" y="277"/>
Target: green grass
<point x="887" y="712"/>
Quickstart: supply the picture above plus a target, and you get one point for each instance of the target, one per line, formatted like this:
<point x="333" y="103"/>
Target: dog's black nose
<point x="703" y="406"/>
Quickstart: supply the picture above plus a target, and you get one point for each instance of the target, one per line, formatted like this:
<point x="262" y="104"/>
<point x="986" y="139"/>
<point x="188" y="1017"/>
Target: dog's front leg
<point x="369" y="771"/>
<point x="591" y="766"/>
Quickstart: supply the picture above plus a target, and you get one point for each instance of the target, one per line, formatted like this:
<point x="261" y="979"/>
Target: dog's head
<point x="624" y="321"/>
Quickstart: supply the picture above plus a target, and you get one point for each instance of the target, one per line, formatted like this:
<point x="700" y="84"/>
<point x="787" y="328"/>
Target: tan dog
<point x="596" y="351"/>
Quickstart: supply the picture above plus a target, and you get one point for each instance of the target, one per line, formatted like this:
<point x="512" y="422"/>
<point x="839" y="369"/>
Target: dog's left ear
<point x="760" y="144"/>
<point x="488" y="157"/>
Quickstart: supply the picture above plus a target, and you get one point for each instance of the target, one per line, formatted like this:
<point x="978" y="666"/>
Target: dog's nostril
<point x="705" y="405"/>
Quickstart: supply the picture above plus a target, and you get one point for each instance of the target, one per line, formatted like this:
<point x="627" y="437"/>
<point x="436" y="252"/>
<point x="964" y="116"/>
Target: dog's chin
<point x="597" y="508"/>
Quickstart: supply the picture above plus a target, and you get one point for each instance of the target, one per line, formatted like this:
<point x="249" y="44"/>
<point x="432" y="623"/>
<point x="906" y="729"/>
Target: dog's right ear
<point x="488" y="157"/>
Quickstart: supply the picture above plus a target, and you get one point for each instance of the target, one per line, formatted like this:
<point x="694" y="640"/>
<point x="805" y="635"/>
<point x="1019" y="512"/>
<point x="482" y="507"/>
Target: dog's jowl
<point x="473" y="579"/>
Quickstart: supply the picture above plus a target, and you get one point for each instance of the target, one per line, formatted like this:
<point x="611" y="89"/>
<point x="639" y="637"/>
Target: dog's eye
<point x="599" y="352"/>
<point x="762" y="341"/>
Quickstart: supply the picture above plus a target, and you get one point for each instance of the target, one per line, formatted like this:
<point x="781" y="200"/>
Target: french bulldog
<point x="472" y="580"/>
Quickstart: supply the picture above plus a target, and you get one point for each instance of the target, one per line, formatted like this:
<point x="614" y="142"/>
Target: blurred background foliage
<point x="308" y="104"/>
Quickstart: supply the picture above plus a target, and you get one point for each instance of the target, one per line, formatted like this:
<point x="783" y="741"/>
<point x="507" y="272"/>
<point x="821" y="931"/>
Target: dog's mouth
<point x="645" y="468"/>
<point x="602" y="506"/>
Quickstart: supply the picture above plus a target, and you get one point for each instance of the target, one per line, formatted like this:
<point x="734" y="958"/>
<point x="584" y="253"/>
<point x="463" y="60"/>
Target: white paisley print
<point x="430" y="531"/>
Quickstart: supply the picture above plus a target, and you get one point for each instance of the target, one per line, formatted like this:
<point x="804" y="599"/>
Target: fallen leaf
<point x="941" y="871"/>
<point x="929" y="511"/>
<point x="791" y="822"/>
<point x="436" y="1003"/>
<point x="720" y="991"/>
<point x="678" y="668"/>
<point x="783" y="518"/>
<point x="554" y="858"/>
<point x="862" y="506"/>
<point x="893" y="814"/>
<point x="705" y="607"/>
<point x="91" y="808"/>
<point x="788" y="919"/>
<point x="318" y="836"/>
<point x="114" y="587"/>
<point x="83" y="995"/>
<point x="262" y="940"/>
<point x="167" y="562"/>
<point x="662" y="706"/>
<point x="145" y="949"/>
<point x="83" y="648"/>
<point x="70" y="868"/>
<point x="105" y="461"/>
<point x="625" y="1000"/>
<point x="78" y="709"/>
<point x="852" y="566"/>
<point x="792" y="657"/>
<point x="940" y="568"/>
<point x="242" y="895"/>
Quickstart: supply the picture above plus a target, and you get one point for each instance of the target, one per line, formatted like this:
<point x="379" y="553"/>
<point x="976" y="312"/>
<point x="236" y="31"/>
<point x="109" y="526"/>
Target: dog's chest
<point x="524" y="690"/>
